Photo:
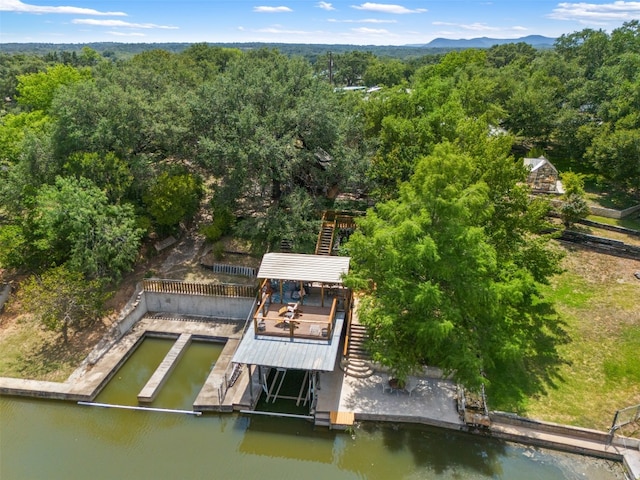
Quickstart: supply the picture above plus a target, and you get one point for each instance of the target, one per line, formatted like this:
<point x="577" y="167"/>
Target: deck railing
<point x="193" y="288"/>
<point x="260" y="318"/>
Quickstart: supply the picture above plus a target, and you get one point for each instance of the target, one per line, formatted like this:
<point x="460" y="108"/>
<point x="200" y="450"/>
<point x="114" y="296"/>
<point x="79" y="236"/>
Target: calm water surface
<point x="55" y="440"/>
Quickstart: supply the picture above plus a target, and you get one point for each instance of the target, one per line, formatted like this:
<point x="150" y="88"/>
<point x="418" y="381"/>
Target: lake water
<point x="57" y="440"/>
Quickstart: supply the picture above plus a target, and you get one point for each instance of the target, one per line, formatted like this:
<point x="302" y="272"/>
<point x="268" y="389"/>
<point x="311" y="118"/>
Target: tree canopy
<point x="442" y="286"/>
<point x="62" y="299"/>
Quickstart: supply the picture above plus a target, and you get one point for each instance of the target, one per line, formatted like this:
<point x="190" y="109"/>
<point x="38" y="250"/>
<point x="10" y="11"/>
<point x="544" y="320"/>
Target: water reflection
<point x="125" y="385"/>
<point x="186" y="381"/>
<point x="287" y="438"/>
<point x="56" y="440"/>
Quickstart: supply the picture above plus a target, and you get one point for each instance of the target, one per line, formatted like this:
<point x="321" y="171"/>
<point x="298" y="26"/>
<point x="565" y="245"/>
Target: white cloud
<point x="118" y="23"/>
<point x="371" y="31"/>
<point x="364" y="20"/>
<point x="387" y="8"/>
<point x="619" y="11"/>
<point x="325" y="6"/>
<point x="264" y="9"/>
<point x="18" y="6"/>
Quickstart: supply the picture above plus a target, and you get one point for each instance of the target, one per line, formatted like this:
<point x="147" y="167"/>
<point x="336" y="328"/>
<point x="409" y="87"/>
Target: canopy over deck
<point x="281" y="352"/>
<point x="304" y="268"/>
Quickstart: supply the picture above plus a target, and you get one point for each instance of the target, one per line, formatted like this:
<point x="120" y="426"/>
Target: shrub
<point x="218" y="250"/>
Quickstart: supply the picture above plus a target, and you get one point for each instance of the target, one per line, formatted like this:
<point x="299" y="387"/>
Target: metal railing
<point x="625" y="416"/>
<point x="232" y="269"/>
<point x="234" y="370"/>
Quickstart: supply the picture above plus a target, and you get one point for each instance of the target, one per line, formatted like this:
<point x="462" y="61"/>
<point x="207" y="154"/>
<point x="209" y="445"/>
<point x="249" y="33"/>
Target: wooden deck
<point x="341" y="420"/>
<point x="310" y="322"/>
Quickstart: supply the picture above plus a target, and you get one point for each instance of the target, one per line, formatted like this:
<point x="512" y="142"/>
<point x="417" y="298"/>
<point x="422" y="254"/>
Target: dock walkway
<point x="150" y="391"/>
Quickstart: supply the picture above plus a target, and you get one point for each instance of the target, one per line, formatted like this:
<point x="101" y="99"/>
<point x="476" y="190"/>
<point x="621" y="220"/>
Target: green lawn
<point x="597" y="297"/>
<point x="30" y="351"/>
<point x="632" y="221"/>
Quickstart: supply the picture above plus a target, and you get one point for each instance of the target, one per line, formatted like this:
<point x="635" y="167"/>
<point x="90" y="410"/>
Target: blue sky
<point x="300" y="21"/>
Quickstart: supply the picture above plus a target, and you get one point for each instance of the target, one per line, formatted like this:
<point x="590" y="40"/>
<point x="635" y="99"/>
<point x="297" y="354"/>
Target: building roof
<point x="535" y="163"/>
<point x="304" y="268"/>
<point x="296" y="354"/>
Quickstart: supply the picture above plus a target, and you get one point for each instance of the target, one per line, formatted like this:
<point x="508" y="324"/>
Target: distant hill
<point x="310" y="51"/>
<point x="484" y="42"/>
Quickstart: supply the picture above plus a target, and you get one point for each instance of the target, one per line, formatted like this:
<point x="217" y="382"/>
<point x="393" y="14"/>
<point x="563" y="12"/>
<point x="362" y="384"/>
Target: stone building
<point x="543" y="176"/>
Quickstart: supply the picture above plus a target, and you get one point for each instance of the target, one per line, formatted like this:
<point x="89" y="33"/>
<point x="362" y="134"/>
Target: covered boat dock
<point x="293" y="332"/>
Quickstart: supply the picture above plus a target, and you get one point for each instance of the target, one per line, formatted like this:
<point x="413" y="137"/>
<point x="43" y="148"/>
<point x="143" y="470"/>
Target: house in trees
<point x="543" y="176"/>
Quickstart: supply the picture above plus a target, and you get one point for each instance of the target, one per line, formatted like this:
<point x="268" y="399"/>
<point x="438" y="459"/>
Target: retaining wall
<point x="602" y="211"/>
<point x="605" y="245"/>
<point x="512" y="419"/>
<point x="611" y="228"/>
<point x="611" y="213"/>
<point x="203" y="306"/>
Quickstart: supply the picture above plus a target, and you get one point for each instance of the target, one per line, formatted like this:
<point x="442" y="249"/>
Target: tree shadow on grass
<point x="514" y="381"/>
<point x="51" y="357"/>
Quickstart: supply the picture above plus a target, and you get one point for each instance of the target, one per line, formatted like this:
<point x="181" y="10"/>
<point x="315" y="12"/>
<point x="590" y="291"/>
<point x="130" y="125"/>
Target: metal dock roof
<point x="296" y="354"/>
<point x="304" y="268"/>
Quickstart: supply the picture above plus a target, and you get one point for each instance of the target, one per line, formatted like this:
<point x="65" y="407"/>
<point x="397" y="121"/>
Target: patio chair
<point x="293" y="309"/>
<point x="386" y="387"/>
<point x="411" y="386"/>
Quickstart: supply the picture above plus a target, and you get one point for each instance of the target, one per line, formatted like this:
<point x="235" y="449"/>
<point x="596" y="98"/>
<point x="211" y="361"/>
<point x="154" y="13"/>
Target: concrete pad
<point x="432" y="402"/>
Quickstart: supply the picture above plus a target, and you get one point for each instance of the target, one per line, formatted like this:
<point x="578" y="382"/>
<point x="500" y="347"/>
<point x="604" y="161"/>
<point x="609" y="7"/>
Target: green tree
<point x="616" y="156"/>
<point x="107" y="171"/>
<point x="386" y="72"/>
<point x="13" y="130"/>
<point x="36" y="90"/>
<point x="62" y="299"/>
<point x="73" y="223"/>
<point x="269" y="130"/>
<point x="442" y="285"/>
<point x="210" y="60"/>
<point x="173" y="198"/>
<point x="350" y="67"/>
<point x="574" y="205"/>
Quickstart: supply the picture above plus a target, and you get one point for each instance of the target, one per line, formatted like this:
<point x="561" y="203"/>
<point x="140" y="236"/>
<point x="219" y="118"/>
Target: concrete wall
<point x="134" y="310"/>
<point x="611" y="213"/>
<point x="602" y="211"/>
<point x="199" y="305"/>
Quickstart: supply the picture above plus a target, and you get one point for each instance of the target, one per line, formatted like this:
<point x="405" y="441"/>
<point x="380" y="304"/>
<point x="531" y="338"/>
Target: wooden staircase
<point x="357" y="361"/>
<point x="285" y="246"/>
<point x="325" y="238"/>
<point x="335" y="227"/>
